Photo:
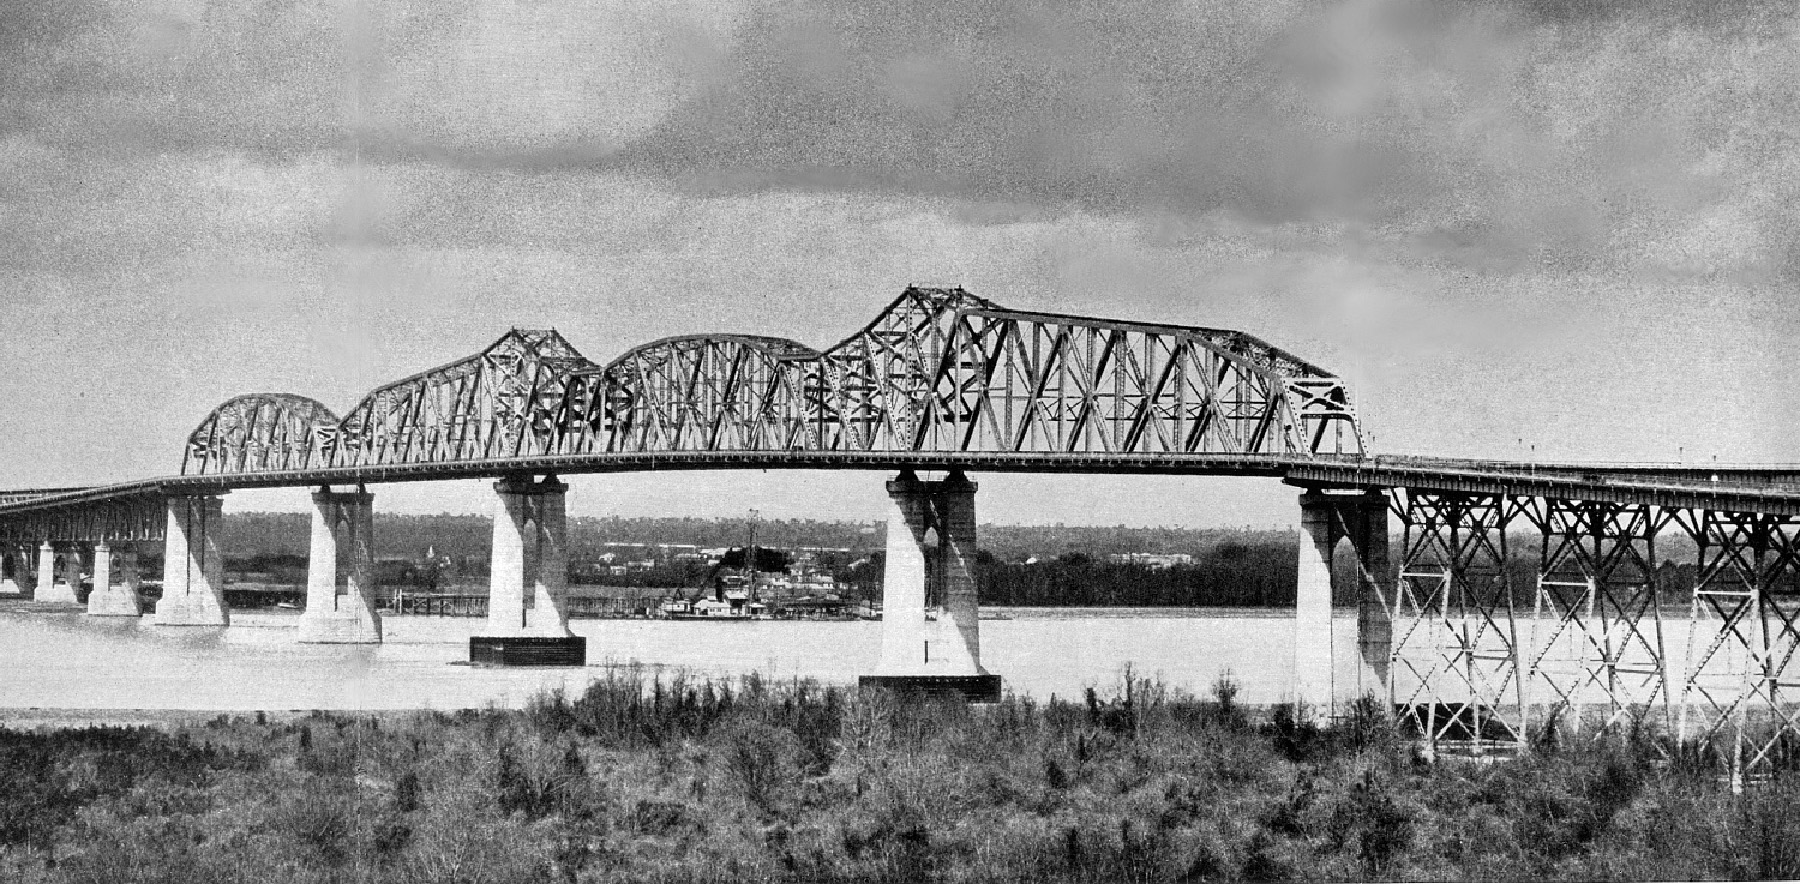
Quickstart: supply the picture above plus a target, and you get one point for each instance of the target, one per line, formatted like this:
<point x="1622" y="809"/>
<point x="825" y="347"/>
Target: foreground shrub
<point x="651" y="776"/>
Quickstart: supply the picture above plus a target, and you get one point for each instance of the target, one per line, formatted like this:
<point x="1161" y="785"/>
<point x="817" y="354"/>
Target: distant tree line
<point x="1017" y="565"/>
<point x="469" y="536"/>
<point x="1230" y="575"/>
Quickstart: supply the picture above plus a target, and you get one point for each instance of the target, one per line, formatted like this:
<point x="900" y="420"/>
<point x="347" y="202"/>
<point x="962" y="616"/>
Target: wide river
<point x="72" y="661"/>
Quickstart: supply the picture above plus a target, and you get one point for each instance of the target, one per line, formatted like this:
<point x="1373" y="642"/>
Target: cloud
<point x="458" y="80"/>
<point x="1506" y="137"/>
<point x="1572" y="137"/>
<point x="1090" y="105"/>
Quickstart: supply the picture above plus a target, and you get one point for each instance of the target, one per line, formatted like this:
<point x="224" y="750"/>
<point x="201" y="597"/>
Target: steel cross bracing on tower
<point x="1511" y="614"/>
<point x="1524" y="597"/>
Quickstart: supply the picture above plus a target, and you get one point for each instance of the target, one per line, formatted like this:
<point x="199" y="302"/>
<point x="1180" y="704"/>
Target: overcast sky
<point x="1561" y="224"/>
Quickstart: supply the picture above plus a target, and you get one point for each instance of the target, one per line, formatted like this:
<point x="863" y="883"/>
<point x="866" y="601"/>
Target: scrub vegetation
<point x="666" y="778"/>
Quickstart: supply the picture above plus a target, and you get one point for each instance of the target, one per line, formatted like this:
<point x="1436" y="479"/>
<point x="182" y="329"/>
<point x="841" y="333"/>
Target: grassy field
<point x="646" y="780"/>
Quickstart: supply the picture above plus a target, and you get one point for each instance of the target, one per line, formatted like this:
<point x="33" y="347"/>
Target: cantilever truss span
<point x="938" y="371"/>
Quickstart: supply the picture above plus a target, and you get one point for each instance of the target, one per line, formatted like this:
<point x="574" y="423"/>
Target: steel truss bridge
<point x="1521" y="594"/>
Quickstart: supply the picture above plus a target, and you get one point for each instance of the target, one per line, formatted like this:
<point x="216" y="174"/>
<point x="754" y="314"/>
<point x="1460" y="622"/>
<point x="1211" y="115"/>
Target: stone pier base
<point x="59" y="593"/>
<point x="115" y="601"/>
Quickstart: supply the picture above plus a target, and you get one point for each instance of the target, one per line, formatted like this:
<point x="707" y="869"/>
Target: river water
<point x="71" y="661"/>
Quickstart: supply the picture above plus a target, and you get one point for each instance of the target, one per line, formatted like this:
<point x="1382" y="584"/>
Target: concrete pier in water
<point x="931" y="631"/>
<point x="340" y="571"/>
<point x="193" y="591"/>
<point x="58" y="584"/>
<point x="15" y="578"/>
<point x="110" y="599"/>
<point x="1326" y="519"/>
<point x="528" y="615"/>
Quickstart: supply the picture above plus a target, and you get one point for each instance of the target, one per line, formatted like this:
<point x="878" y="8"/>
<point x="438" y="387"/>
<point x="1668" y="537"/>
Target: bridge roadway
<point x="1771" y="488"/>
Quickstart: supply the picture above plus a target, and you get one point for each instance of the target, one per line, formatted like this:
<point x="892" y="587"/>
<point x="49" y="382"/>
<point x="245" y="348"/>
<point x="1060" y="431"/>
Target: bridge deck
<point x="1762" y="488"/>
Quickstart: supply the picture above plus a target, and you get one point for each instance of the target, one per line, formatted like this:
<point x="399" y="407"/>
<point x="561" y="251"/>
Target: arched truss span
<point x="940" y="370"/>
<point x="944" y="370"/>
<point x="502" y="402"/>
<point x="262" y="432"/>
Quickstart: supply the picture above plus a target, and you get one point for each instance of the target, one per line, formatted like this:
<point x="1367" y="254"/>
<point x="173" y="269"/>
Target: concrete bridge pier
<point x="193" y="566"/>
<point x="528" y="615"/>
<point x="115" y="600"/>
<point x="1326" y="519"/>
<point x="931" y="631"/>
<point x="25" y="568"/>
<point x="340" y="570"/>
<point x="59" y="577"/>
<point x="13" y="579"/>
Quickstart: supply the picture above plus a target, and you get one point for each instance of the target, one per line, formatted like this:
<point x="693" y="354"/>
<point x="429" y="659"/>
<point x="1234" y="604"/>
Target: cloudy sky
<point x="1562" y="224"/>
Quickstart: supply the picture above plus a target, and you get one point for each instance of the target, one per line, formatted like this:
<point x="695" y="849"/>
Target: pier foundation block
<point x="972" y="688"/>
<point x="528" y="650"/>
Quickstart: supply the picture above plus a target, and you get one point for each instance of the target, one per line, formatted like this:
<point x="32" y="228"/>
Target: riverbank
<point x="647" y="778"/>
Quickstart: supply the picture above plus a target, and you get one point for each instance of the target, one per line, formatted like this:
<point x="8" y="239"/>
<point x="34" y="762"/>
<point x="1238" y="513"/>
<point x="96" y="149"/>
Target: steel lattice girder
<point x="939" y="371"/>
<point x="116" y="520"/>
